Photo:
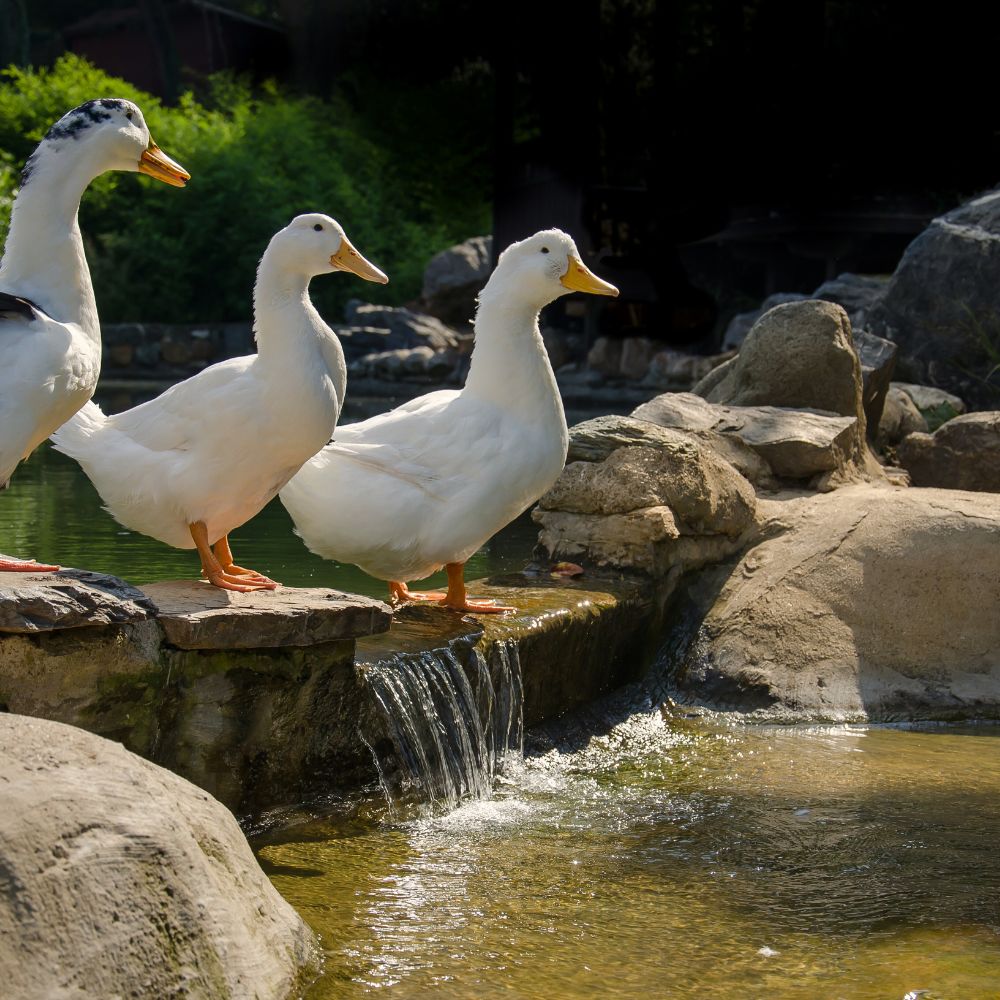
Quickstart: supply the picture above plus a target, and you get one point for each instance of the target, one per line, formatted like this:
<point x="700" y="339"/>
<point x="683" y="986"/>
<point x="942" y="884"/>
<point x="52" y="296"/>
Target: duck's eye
<point x="317" y="227"/>
<point x="545" y="249"/>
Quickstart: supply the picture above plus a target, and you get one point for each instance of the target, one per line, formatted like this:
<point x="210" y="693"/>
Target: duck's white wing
<point x="42" y="380"/>
<point x="423" y="442"/>
<point x="186" y="412"/>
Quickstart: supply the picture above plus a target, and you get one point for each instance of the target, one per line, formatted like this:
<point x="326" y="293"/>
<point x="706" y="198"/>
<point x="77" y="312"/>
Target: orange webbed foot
<point x="241" y="584"/>
<point x="400" y="593"/>
<point x="8" y="564"/>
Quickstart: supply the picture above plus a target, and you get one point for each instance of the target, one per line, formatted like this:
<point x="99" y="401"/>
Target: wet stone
<point x="71" y="598"/>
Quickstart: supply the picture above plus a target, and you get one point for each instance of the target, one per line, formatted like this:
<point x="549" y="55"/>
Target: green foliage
<point x="256" y="159"/>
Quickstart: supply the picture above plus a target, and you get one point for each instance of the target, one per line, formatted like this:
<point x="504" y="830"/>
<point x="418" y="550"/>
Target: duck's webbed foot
<point x="457" y="599"/>
<point x="400" y="593"/>
<point x="218" y="567"/>
<point x="8" y="564"/>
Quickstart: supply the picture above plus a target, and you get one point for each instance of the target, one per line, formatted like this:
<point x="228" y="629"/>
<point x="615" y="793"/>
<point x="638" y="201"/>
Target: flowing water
<point x="451" y="735"/>
<point x="665" y="857"/>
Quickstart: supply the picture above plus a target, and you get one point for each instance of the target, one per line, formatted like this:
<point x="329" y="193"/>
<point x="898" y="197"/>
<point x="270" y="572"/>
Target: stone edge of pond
<point x="261" y="727"/>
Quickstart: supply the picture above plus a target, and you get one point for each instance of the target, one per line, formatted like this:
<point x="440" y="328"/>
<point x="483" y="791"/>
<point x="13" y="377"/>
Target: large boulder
<point x="799" y="355"/>
<point x="659" y="502"/>
<point x="792" y="443"/>
<point x="963" y="454"/>
<point x="940" y="305"/>
<point x="454" y="277"/>
<point x="866" y="603"/>
<point x="121" y="879"/>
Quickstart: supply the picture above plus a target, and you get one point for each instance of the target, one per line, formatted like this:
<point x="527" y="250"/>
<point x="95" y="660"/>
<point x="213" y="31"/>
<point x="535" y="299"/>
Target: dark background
<point x="703" y="153"/>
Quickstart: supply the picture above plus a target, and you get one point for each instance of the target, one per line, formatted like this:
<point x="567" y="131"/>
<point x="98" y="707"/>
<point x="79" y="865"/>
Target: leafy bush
<point x="256" y="159"/>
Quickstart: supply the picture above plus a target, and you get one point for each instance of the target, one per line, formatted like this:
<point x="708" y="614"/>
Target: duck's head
<point x="545" y="266"/>
<point x="106" y="134"/>
<point x="316" y="244"/>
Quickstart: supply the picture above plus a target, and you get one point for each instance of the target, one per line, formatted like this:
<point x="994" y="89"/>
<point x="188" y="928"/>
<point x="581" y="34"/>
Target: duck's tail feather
<point x="74" y="437"/>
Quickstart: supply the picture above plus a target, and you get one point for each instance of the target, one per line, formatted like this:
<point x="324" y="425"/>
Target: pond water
<point x="672" y="858"/>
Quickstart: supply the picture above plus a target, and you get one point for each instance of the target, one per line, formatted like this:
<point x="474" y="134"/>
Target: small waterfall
<point x="450" y="729"/>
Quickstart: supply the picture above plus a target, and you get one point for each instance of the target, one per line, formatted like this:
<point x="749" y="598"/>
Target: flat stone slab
<point x="797" y="443"/>
<point x="196" y="615"/>
<point x="71" y="598"/>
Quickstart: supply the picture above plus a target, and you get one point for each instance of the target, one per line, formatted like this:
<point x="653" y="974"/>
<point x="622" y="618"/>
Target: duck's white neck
<point x="509" y="360"/>
<point x="43" y="258"/>
<point x="288" y="329"/>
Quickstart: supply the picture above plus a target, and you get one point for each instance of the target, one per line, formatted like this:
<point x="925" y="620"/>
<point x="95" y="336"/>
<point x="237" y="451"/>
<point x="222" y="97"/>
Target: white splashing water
<point x="451" y="730"/>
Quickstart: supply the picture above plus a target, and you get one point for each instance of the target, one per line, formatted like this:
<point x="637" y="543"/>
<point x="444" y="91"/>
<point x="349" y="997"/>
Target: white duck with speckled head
<point x="50" y="336"/>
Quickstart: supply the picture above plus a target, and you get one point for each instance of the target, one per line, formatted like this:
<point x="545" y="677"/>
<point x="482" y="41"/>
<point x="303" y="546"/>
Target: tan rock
<point x="123" y="879"/>
<point x="605" y="356"/>
<point x="963" y="454"/>
<point x="634" y="508"/>
<point x="900" y="417"/>
<point x="801" y="355"/>
<point x="869" y="602"/>
<point x="794" y="443"/>
<point x="637" y="352"/>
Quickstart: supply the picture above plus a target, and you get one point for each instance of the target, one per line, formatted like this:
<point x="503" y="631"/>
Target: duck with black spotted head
<point x="50" y="335"/>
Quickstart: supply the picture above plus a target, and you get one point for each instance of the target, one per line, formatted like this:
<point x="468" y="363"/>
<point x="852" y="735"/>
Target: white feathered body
<point x="406" y="492"/>
<point x="49" y="363"/>
<point x="48" y="370"/>
<point x="216" y="447"/>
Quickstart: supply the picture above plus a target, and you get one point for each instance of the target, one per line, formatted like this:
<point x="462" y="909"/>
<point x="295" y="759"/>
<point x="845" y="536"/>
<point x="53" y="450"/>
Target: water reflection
<point x="667" y="858"/>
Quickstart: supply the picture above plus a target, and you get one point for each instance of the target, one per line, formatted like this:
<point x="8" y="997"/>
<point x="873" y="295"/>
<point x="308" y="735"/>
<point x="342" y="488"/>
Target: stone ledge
<point x="195" y="615"/>
<point x="72" y="598"/>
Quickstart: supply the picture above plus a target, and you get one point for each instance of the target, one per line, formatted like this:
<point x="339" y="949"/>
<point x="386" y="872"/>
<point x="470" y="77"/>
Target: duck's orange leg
<point x="8" y="564"/>
<point x="212" y="567"/>
<point x="225" y="556"/>
<point x="458" y="600"/>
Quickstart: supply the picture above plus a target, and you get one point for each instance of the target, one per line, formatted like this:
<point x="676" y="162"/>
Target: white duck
<point x="425" y="485"/>
<point x="50" y="336"/>
<point x="198" y="461"/>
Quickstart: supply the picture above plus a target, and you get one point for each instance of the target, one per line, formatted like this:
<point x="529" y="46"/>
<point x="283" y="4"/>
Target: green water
<point x="674" y="859"/>
<point x="52" y="513"/>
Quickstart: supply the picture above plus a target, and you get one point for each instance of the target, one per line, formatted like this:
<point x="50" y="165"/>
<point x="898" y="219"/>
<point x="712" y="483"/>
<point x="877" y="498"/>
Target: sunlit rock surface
<point x="661" y="501"/>
<point x="865" y="603"/>
<point x="123" y="880"/>
<point x="793" y="443"/>
<point x="194" y="615"/>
